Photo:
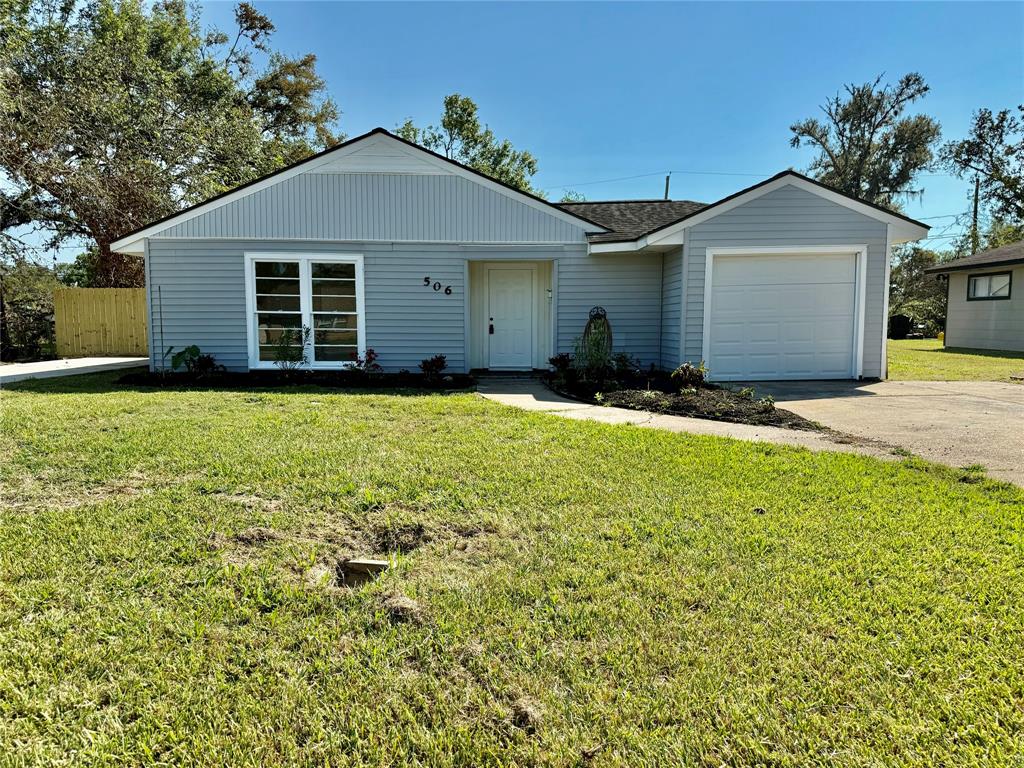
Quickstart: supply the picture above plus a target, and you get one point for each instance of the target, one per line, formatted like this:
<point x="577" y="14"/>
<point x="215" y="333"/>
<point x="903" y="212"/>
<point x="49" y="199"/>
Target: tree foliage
<point x="114" y="113"/>
<point x="994" y="151"/>
<point x="919" y="296"/>
<point x="26" y="309"/>
<point x="463" y="138"/>
<point x="866" y="146"/>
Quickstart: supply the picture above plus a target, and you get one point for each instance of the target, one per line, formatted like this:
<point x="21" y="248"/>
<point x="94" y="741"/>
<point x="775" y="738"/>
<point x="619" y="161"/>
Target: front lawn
<point x="563" y="593"/>
<point x="926" y="360"/>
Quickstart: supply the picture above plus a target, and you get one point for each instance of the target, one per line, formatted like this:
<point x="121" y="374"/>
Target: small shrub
<point x="291" y="351"/>
<point x="767" y="403"/>
<point x="624" y="364"/>
<point x="747" y="393"/>
<point x="367" y="363"/>
<point x="560" y="362"/>
<point x="433" y="366"/>
<point x="690" y="376"/>
<point x="194" y="361"/>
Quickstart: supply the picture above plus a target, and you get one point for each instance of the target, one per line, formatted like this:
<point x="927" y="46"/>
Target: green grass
<point x="587" y="594"/>
<point x="926" y="360"/>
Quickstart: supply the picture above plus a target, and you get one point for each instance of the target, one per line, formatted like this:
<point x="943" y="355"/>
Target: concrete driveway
<point x="952" y="422"/>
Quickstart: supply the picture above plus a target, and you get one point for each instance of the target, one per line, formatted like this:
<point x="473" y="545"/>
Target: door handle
<point x="491" y="329"/>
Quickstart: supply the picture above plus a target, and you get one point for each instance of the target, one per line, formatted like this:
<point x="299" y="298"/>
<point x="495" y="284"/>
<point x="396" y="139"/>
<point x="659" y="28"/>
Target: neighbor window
<point x="994" y="286"/>
<point x="288" y="293"/>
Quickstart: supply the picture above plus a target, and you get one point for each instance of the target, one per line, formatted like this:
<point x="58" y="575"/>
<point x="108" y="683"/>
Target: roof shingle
<point x="630" y="219"/>
<point x="1007" y="254"/>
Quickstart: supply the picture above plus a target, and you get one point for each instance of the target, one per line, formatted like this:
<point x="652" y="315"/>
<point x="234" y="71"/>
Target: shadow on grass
<point x="120" y="381"/>
<point x="1000" y="353"/>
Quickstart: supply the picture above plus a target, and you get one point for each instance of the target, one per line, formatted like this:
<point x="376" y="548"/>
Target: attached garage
<point x="784" y="313"/>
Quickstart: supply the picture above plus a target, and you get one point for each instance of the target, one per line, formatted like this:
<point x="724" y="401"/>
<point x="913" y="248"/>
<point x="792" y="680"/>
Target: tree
<point x="994" y="151"/>
<point x="866" y="148"/>
<point x="113" y="114"/>
<point x="462" y="137"/>
<point x="919" y="296"/>
<point x="572" y="196"/>
<point x="26" y="309"/>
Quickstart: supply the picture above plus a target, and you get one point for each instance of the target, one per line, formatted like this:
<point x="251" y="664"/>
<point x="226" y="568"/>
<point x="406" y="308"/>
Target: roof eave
<point x="940" y="269"/>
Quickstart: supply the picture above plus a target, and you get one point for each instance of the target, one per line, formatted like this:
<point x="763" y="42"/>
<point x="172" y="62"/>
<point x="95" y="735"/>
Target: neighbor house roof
<point x="630" y="219"/>
<point x="997" y="257"/>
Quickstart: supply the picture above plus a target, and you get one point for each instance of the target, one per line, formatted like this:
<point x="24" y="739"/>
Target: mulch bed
<point x="716" y="404"/>
<point x="654" y="392"/>
<point x="328" y="379"/>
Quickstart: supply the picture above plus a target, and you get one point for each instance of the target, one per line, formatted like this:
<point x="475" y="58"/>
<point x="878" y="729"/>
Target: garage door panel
<point x="782" y="316"/>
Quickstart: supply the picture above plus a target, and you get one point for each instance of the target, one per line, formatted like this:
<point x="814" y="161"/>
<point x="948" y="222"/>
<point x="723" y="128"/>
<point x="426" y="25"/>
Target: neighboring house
<point x="985" y="299"/>
<point x="380" y="243"/>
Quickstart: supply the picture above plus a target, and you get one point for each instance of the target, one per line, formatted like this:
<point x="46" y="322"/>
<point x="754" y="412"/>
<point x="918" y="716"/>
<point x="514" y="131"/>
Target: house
<point x="380" y="243"/>
<point x="985" y="299"/>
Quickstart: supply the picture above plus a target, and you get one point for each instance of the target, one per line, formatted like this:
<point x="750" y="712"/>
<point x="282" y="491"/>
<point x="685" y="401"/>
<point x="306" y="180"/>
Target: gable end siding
<point x="379" y="207"/>
<point x="788" y="217"/>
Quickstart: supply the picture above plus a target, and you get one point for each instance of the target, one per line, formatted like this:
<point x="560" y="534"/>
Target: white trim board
<point x="303" y="260"/>
<point x="860" y="289"/>
<point x="133" y="243"/>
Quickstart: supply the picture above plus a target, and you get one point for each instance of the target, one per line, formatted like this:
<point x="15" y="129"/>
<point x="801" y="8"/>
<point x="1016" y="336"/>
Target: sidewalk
<point x="47" y="369"/>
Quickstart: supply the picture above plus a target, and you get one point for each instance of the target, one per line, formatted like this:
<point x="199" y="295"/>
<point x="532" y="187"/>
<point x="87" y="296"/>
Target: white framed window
<point x="286" y="292"/>
<point x="992" y="286"/>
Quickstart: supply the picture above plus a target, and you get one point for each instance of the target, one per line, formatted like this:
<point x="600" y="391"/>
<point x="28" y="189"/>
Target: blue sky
<point x="601" y="91"/>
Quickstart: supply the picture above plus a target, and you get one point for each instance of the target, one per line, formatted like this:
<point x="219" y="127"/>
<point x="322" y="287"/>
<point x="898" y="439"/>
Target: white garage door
<point x="782" y="316"/>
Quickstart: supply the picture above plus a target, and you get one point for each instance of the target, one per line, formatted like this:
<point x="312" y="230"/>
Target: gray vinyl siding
<point x="380" y="206"/>
<point x="197" y="294"/>
<point x="986" y="324"/>
<point x="200" y="286"/>
<point x="671" y="307"/>
<point x="788" y="216"/>
<point x="628" y="286"/>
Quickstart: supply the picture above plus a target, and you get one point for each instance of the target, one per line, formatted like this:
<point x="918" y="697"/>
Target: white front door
<point x="510" y="324"/>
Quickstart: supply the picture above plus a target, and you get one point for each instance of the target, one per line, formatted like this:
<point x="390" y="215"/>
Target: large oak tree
<point x="114" y="113"/>
<point x="866" y="146"/>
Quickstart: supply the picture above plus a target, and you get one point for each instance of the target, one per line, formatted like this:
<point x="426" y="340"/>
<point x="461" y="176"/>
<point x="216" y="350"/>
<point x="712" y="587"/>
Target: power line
<point x="704" y="173"/>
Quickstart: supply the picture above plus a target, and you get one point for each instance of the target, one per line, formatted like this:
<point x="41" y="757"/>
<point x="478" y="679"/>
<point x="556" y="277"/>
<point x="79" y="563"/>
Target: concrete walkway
<point x="532" y="395"/>
<point x="47" y="369"/>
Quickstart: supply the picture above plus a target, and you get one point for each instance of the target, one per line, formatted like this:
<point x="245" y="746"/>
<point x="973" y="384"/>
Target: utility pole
<point x="974" y="217"/>
<point x="667" y="179"/>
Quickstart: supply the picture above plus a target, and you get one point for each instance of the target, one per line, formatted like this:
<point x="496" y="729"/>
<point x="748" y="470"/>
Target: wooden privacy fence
<point x="100" y="321"/>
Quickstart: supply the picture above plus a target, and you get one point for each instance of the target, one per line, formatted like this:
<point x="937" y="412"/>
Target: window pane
<point x="334" y="303"/>
<point x="277" y="303"/>
<point x="347" y="338"/>
<point x="334" y="354"/>
<point x="324" y="269"/>
<point x="268" y="354"/>
<point x="277" y="269"/>
<point x="1000" y="285"/>
<point x="334" y="287"/>
<point x="979" y="287"/>
<point x="270" y="320"/>
<point x="335" y="322"/>
<point x="280" y="287"/>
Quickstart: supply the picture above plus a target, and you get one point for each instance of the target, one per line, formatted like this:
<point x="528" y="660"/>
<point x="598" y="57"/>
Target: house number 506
<point x="437" y="286"/>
